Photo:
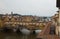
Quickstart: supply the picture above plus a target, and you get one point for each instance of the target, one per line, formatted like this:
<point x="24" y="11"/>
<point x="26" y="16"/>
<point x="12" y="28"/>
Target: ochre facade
<point x="14" y="20"/>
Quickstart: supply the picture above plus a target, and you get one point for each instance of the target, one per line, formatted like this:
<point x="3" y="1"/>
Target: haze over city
<point x="29" y="7"/>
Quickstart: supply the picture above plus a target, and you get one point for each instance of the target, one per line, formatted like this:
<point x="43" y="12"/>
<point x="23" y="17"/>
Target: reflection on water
<point x="16" y="36"/>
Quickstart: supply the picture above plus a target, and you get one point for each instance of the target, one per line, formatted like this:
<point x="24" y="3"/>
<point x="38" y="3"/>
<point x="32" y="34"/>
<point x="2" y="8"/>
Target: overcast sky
<point x="29" y="7"/>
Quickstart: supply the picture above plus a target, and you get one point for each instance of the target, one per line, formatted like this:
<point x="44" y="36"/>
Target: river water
<point x="4" y="35"/>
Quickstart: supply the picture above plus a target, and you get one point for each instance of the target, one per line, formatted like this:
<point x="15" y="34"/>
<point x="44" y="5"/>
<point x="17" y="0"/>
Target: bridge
<point x="32" y="26"/>
<point x="28" y="25"/>
<point x="13" y="21"/>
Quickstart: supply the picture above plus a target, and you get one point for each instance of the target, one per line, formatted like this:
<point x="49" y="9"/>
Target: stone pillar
<point x="56" y="30"/>
<point x="59" y="24"/>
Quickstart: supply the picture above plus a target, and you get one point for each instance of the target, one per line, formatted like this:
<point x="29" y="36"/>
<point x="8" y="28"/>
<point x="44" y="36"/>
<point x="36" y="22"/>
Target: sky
<point x="29" y="7"/>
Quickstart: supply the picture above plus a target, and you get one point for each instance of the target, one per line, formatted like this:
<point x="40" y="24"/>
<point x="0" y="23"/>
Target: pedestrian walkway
<point x="45" y="34"/>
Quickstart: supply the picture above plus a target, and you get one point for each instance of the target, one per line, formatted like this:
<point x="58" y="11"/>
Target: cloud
<point x="29" y="7"/>
<point x="2" y="5"/>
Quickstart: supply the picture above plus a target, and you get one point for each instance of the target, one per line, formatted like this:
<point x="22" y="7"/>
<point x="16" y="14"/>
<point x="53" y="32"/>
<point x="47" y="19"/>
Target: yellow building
<point x="27" y="18"/>
<point x="12" y="20"/>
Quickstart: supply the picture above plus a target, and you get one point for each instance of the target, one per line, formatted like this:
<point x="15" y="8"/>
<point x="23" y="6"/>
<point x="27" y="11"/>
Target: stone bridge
<point x="28" y="25"/>
<point x="31" y="26"/>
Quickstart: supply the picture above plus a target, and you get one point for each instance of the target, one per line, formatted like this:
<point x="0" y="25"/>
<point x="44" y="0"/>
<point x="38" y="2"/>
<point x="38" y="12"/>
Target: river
<point x="4" y="35"/>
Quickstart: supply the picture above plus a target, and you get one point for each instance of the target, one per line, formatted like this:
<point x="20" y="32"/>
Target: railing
<point x="45" y="31"/>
